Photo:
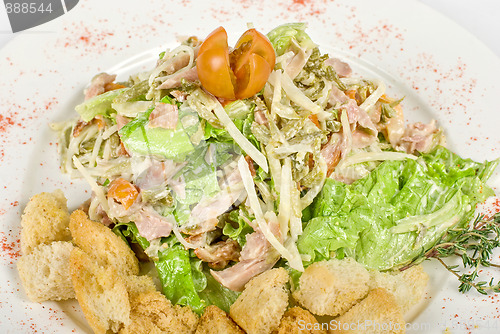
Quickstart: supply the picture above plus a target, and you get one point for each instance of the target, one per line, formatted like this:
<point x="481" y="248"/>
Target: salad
<point x="221" y="163"/>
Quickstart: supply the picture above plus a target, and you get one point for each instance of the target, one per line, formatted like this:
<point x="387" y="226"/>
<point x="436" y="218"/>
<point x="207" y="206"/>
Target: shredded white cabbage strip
<point x="275" y="167"/>
<point x="284" y="59"/>
<point x="96" y="149"/>
<point x="293" y="256"/>
<point x="285" y="196"/>
<point x="172" y="54"/>
<point x="297" y="96"/>
<point x="94" y="202"/>
<point x="275" y="80"/>
<point x="296" y="216"/>
<point x="291" y="246"/>
<point x="276" y="106"/>
<point x="346" y="129"/>
<point x="109" y="131"/>
<point x="179" y="237"/>
<point x="265" y="191"/>
<point x="311" y="194"/>
<point x="239" y="138"/>
<point x="93" y="185"/>
<point x="373" y="98"/>
<point x="106" y="152"/>
<point x="374" y="156"/>
<point x="248" y="183"/>
<point x="290" y="149"/>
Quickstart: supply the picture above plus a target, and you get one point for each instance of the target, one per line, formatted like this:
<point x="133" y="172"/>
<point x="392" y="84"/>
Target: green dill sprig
<point x="474" y="244"/>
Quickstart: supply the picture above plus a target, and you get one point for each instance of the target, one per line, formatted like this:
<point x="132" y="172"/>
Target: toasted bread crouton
<point x="299" y="321"/>
<point x="259" y="308"/>
<point x="216" y="321"/>
<point x="45" y="272"/>
<point x="45" y="219"/>
<point x="101" y="293"/>
<point x="377" y="313"/>
<point x="152" y="312"/>
<point x="102" y="244"/>
<point x="332" y="287"/>
<point x="408" y="286"/>
<point x="139" y="284"/>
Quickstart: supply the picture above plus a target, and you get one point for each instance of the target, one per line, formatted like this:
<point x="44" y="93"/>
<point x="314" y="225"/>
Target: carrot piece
<point x="351" y="93"/>
<point x="112" y="86"/>
<point x="314" y="119"/>
<point x="123" y="191"/>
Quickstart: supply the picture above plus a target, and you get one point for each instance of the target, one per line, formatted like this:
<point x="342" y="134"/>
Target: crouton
<point x="45" y="219"/>
<point x="408" y="286"/>
<point x="377" y="313"/>
<point x="101" y="293"/>
<point x="139" y="284"/>
<point x="332" y="287"/>
<point x="259" y="308"/>
<point x="102" y="244"/>
<point x="152" y="312"/>
<point x="216" y="321"/>
<point x="45" y="272"/>
<point x="299" y="321"/>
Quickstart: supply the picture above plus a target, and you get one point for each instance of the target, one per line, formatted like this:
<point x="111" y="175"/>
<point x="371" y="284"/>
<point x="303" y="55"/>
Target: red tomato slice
<point x="253" y="42"/>
<point x="238" y="75"/>
<point x="252" y="76"/>
<point x="213" y="67"/>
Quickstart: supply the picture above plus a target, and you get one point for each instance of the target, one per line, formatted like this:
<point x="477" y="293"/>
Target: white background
<point x="480" y="17"/>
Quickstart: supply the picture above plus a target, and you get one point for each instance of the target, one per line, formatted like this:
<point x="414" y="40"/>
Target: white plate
<point x="443" y="71"/>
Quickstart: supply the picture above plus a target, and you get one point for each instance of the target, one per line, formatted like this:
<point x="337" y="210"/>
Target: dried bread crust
<point x="259" y="308"/>
<point x="45" y="272"/>
<point x="45" y="219"/>
<point x="101" y="292"/>
<point x="102" y="244"/>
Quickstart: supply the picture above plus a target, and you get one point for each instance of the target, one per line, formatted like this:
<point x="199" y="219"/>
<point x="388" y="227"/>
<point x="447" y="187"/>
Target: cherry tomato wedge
<point x="239" y="74"/>
<point x="213" y="67"/>
<point x="123" y="191"/>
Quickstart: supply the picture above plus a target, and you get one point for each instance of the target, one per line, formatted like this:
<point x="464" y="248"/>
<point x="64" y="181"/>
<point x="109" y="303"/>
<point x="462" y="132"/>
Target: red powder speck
<point x="9" y="248"/>
<point x="6" y="122"/>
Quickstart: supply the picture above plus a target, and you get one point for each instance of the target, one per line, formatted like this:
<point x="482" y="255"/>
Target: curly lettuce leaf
<point x="398" y="211"/>
<point x="130" y="233"/>
<point x="186" y="280"/>
<point x="281" y="37"/>
<point x="180" y="278"/>
<point x="237" y="226"/>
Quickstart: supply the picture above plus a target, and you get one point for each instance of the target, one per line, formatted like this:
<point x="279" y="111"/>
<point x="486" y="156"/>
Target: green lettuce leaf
<point x="199" y="176"/>
<point x="398" y="211"/>
<point x="97" y="105"/>
<point x="217" y="294"/>
<point x="177" y="275"/>
<point x="236" y="226"/>
<point x="129" y="233"/>
<point x="186" y="280"/>
<point x="166" y="143"/>
<point x="213" y="134"/>
<point x="281" y="37"/>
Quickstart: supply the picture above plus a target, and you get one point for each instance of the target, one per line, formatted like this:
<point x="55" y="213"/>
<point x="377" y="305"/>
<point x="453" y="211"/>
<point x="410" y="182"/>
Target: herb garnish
<point x="474" y="243"/>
